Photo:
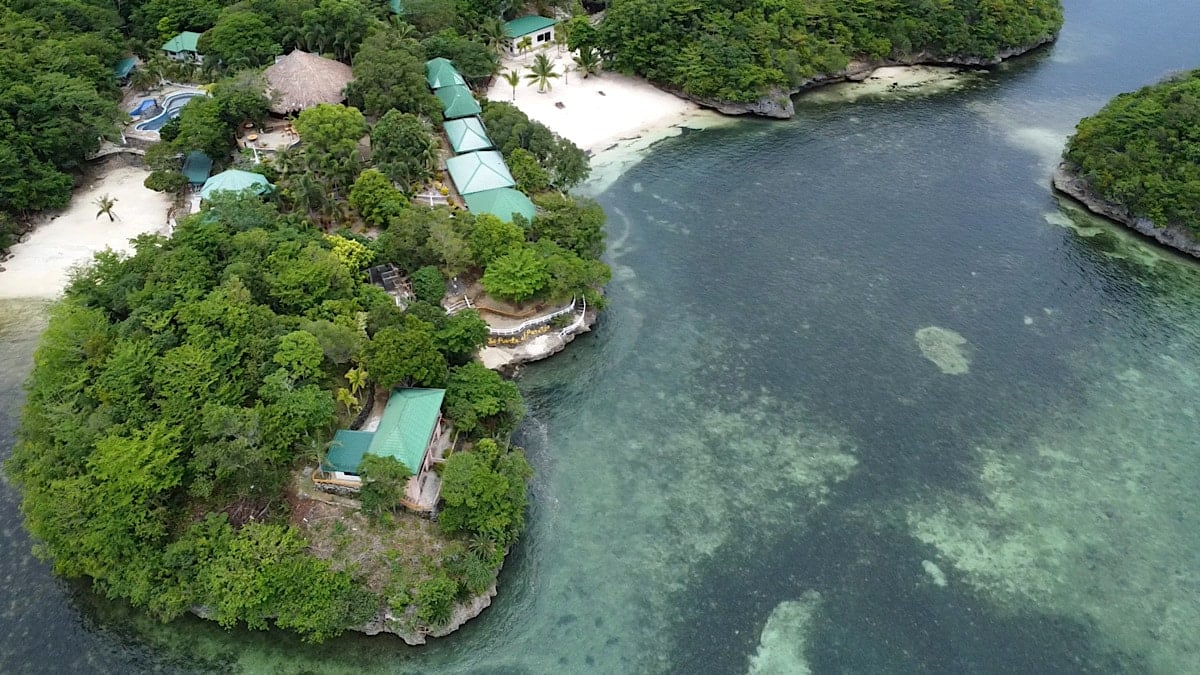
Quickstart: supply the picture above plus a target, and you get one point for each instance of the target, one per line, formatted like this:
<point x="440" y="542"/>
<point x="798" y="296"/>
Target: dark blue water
<point x="869" y="399"/>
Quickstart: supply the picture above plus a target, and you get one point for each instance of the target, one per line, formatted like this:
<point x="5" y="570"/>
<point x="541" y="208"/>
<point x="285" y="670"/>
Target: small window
<point x="543" y="37"/>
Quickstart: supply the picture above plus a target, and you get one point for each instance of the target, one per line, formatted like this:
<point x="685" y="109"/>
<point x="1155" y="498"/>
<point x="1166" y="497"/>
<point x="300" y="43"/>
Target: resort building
<point x="539" y="30"/>
<point x="457" y="101"/>
<point x="503" y="203"/>
<point x="411" y="431"/>
<point x="197" y="166"/>
<point x="301" y="80"/>
<point x="441" y="72"/>
<point x="235" y="180"/>
<point x="479" y="171"/>
<point x="182" y="47"/>
<point x="467" y="134"/>
<point x="124" y="69"/>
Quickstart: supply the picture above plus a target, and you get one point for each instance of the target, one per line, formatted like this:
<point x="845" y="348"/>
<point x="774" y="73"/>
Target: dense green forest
<point x="1142" y="151"/>
<point x="180" y="388"/>
<point x="742" y="50"/>
<point x="179" y="391"/>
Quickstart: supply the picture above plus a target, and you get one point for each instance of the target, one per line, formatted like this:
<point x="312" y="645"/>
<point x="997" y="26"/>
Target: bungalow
<point x="235" y="180"/>
<point x="479" y="171"/>
<point x="411" y="431"/>
<point x="539" y="29"/>
<point x="457" y="101"/>
<point x="182" y="47"/>
<point x="301" y="80"/>
<point x="197" y="166"/>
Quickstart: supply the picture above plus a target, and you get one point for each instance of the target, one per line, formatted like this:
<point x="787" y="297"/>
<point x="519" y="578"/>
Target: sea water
<point x="868" y="398"/>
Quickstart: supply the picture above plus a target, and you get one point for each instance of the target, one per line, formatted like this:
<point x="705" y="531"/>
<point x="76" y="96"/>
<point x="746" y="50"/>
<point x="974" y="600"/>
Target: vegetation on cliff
<point x="744" y="50"/>
<point x="1142" y="152"/>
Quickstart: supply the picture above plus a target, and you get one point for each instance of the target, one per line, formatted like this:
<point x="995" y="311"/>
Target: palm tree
<point x="541" y="72"/>
<point x="525" y="44"/>
<point x="513" y="77"/>
<point x="491" y="33"/>
<point x="587" y="62"/>
<point x="106" y="204"/>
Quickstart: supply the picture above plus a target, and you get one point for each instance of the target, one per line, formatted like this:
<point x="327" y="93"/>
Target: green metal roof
<point x="396" y="6"/>
<point x="441" y="72"/>
<point x="196" y="166"/>
<point x="527" y="25"/>
<point x="235" y="180"/>
<point x="184" y="42"/>
<point x="457" y="101"/>
<point x="479" y="171"/>
<point x="406" y="426"/>
<point x="502" y="203"/>
<point x="467" y="134"/>
<point x="347" y="450"/>
<point x="124" y="67"/>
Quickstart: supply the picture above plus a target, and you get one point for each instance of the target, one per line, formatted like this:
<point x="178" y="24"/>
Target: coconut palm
<point x="491" y="33"/>
<point x="513" y="78"/>
<point x="106" y="204"/>
<point x="587" y="62"/>
<point x="541" y="72"/>
<point x="525" y="44"/>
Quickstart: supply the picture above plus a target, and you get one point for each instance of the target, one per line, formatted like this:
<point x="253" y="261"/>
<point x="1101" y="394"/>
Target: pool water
<point x="171" y="107"/>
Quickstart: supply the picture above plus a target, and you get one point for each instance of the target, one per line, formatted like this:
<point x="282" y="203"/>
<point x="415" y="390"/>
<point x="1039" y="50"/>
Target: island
<point x="753" y="58"/>
<point x="1136" y="162"/>
<point x="279" y="403"/>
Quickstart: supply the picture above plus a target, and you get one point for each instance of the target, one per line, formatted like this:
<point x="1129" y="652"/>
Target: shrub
<point x="166" y="181"/>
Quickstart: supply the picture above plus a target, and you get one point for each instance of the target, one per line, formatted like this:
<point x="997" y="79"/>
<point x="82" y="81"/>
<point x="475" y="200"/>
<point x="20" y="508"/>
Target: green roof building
<point x="408" y="426"/>
<point x="235" y="180"/>
<point x="124" y="67"/>
<point x="197" y="166"/>
<point x="457" y="101"/>
<point x="467" y="134"/>
<point x="541" y="28"/>
<point x="441" y="72"/>
<point x="503" y="203"/>
<point x="396" y="6"/>
<point x="479" y="171"/>
<point x="182" y="47"/>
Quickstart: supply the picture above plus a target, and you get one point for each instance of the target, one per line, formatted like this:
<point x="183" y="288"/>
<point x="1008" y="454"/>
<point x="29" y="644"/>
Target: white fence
<point x="536" y="321"/>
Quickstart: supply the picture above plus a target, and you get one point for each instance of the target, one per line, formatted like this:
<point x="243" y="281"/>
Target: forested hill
<point x="1142" y="152"/>
<point x="742" y="50"/>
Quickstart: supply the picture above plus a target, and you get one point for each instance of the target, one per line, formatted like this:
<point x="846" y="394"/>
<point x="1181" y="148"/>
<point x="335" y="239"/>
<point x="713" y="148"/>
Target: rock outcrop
<point x="1069" y="182"/>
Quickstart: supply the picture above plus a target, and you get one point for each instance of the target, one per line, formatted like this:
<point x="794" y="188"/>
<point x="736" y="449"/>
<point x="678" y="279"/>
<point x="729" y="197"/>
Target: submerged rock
<point x="936" y="575"/>
<point x="945" y="348"/>
<point x="784" y="641"/>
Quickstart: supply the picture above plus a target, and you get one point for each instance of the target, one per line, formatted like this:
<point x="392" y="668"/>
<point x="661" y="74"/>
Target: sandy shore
<point x="596" y="112"/>
<point x="40" y="266"/>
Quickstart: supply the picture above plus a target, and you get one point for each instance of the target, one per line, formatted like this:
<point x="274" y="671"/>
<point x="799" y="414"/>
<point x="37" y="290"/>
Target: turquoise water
<point x="869" y="399"/>
<point x="171" y="107"/>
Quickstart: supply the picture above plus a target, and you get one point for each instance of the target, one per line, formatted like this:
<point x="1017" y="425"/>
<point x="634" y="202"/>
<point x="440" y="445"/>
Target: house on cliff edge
<point x="411" y="430"/>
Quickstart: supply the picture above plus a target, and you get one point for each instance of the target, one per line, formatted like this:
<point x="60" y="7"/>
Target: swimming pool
<point x="171" y="106"/>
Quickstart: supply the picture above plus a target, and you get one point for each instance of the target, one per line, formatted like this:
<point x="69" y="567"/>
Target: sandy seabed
<point x="40" y="266"/>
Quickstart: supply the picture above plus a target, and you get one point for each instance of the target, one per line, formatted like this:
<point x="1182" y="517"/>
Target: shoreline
<point x="1066" y="181"/>
<point x="39" y="265"/>
<point x="615" y="131"/>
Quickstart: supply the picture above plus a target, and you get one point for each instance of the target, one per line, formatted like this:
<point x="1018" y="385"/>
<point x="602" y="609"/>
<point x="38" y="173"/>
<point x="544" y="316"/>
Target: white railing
<point x="536" y="321"/>
<point x="576" y="323"/>
<point x="459" y="305"/>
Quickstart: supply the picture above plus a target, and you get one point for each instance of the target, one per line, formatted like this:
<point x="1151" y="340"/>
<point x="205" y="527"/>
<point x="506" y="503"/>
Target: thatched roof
<point x="301" y="80"/>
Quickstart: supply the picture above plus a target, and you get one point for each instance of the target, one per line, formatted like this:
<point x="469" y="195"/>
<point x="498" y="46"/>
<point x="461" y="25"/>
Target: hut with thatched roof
<point x="301" y="80"/>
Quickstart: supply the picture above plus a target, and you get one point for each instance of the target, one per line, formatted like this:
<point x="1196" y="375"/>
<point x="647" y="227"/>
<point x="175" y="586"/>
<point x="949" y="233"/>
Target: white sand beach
<point x="39" y="266"/>
<point x="599" y="111"/>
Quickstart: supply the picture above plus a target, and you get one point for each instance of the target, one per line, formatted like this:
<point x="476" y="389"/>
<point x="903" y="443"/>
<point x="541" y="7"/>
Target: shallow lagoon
<point x="752" y="462"/>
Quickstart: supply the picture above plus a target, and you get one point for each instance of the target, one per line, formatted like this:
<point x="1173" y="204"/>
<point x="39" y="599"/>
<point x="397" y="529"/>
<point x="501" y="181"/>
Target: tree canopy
<point x="711" y="49"/>
<point x="1142" y="151"/>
